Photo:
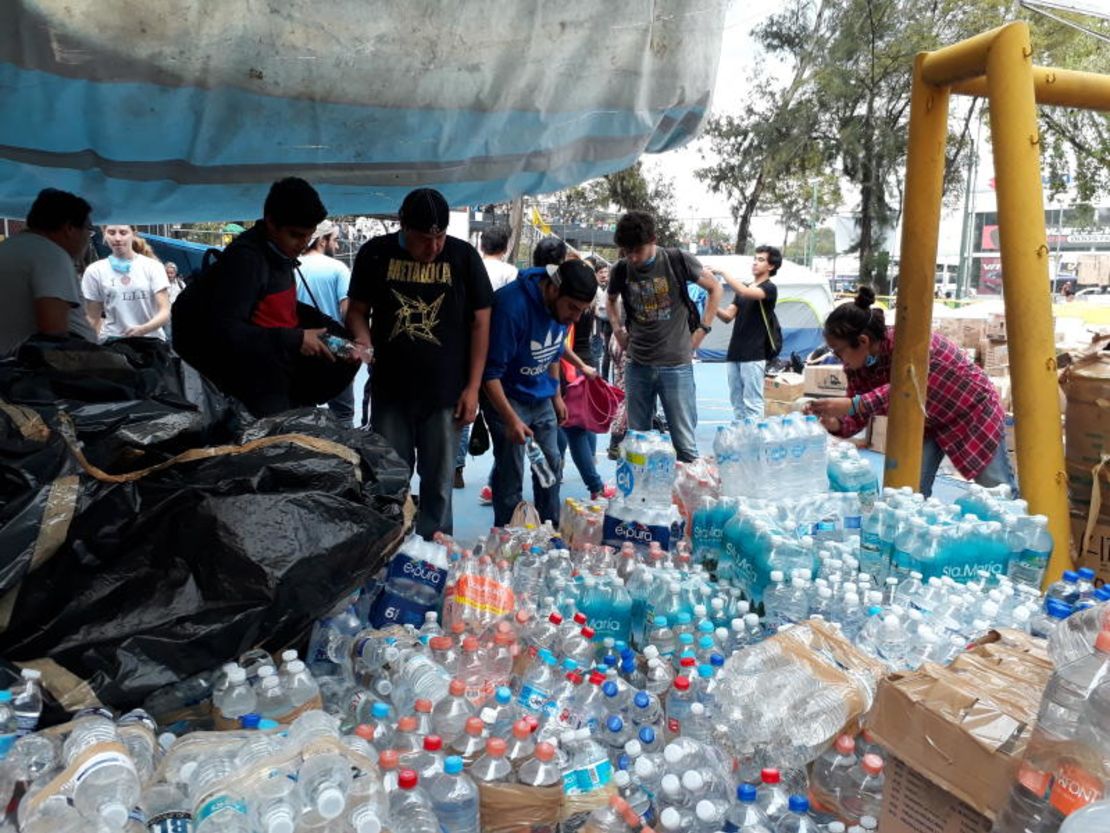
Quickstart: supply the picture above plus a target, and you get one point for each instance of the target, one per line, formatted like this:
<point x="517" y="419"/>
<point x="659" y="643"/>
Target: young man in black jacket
<point x="240" y="325"/>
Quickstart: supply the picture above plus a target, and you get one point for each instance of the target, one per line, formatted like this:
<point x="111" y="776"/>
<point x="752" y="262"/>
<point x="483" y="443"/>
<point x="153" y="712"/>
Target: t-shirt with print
<point x="33" y="267"/>
<point x="748" y="342"/>
<point x="128" y="299"/>
<point x="420" y="317"/>
<point x="656" y="313"/>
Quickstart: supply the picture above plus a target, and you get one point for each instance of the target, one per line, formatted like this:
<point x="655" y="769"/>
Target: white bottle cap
<point x="697" y="709"/>
<point x="114" y="814"/>
<point x="633" y="748"/>
<point x="644" y="768"/>
<point x="776" y="575"/>
<point x="31" y="674"/>
<point x="672" y="754"/>
<point x="622" y="778"/>
<point x="266" y="671"/>
<point x="706" y="811"/>
<point x="270" y="682"/>
<point x="330" y="802"/>
<point x="693" y="780"/>
<point x="288" y="655"/>
<point x="671" y="784"/>
<point x="296" y="667"/>
<point x="751" y="619"/>
<point x="236" y="675"/>
<point x="670" y="818"/>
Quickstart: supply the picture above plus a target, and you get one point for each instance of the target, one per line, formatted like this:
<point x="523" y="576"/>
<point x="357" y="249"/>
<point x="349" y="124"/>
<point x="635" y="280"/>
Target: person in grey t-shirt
<point x="39" y="292"/>
<point x="662" y="328"/>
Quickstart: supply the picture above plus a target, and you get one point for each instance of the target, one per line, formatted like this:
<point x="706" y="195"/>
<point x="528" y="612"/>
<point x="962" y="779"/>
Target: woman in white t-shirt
<point x="126" y="294"/>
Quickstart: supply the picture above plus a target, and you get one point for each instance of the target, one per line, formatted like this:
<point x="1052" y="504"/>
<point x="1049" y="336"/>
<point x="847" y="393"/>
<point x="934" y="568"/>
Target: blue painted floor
<point x="473" y="520"/>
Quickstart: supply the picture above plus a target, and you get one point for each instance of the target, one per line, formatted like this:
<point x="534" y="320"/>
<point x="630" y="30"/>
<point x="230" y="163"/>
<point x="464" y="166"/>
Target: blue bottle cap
<point x="660" y="621"/>
<point x="614" y="723"/>
<point x="1071" y="576"/>
<point x="628" y="666"/>
<point x="266" y="725"/>
<point x="5" y="696"/>
<point x="622" y="648"/>
<point x="503" y="695"/>
<point x="610" y="689"/>
<point x="684" y="618"/>
<point x="1103" y="593"/>
<point x="705" y="642"/>
<point x="716" y="660"/>
<point x="570" y="664"/>
<point x="647" y="734"/>
<point x="799" y="804"/>
<point x="453" y="765"/>
<point x="379" y="711"/>
<point x="1086" y="573"/>
<point x="250" y="721"/>
<point x="642" y="699"/>
<point x="686" y="638"/>
<point x="746" y="793"/>
<point x="705" y="670"/>
<point x="706" y="627"/>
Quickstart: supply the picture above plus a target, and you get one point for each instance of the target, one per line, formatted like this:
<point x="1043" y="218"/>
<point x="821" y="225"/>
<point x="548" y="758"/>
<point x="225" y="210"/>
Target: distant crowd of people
<point x="450" y="332"/>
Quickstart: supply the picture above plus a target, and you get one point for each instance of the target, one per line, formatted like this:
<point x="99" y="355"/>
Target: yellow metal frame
<point x="997" y="65"/>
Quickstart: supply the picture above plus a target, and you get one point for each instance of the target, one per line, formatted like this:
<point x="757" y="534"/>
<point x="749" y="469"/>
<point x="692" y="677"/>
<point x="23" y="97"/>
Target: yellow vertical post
<point x="916" y="276"/>
<point x="1024" y="253"/>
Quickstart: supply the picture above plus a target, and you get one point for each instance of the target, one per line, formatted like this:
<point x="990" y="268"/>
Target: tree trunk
<point x="750" y="204"/>
<point x="867" y="200"/>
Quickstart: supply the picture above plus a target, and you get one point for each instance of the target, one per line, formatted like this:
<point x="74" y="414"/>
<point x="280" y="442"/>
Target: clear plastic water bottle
<point x="27" y="700"/>
<point x="541" y="770"/>
<point x="216" y="807"/>
<point x="166" y="809"/>
<point x="831" y="771"/>
<point x="1094" y="818"/>
<point x="797" y="818"/>
<point x="106" y="786"/>
<point x="492" y="766"/>
<point x="454" y="797"/>
<point x="771" y="798"/>
<point x="863" y="795"/>
<point x="745" y="816"/>
<point x="1030" y="567"/>
<point x="410" y="809"/>
<point x="541" y="469"/>
<point x="450" y="714"/>
<point x="472" y="742"/>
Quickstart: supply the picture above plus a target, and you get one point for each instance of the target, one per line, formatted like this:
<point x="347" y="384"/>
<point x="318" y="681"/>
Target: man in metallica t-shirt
<point x="428" y="297"/>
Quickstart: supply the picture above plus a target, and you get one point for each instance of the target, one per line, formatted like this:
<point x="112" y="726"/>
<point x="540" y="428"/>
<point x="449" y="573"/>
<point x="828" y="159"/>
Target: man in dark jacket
<point x="240" y="325"/>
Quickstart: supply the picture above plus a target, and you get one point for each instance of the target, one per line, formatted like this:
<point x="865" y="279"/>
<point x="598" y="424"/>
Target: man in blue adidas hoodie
<point x="520" y="386"/>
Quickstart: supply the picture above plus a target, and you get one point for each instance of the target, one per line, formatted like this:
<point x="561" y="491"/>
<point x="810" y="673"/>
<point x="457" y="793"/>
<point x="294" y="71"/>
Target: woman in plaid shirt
<point x="963" y="414"/>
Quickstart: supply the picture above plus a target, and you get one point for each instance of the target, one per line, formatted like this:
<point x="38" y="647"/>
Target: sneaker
<point x="485" y="497"/>
<point x="608" y="491"/>
<point x="459" y="482"/>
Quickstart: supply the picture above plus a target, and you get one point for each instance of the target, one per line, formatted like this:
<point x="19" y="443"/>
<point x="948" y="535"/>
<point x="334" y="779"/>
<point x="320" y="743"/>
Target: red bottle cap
<point x="406" y="779"/>
<point x="457" y="688"/>
<point x="474" y="726"/>
<point x="423" y="706"/>
<point x="682" y="683"/>
<point x="433" y="743"/>
<point x="496" y="747"/>
<point x="770" y="775"/>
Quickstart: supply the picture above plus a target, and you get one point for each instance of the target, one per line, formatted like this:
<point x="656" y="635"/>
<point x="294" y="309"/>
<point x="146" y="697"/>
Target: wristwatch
<point x="707" y="330"/>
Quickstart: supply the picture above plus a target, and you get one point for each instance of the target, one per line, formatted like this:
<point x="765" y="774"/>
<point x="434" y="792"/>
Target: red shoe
<point x="608" y="492"/>
<point x="485" y="496"/>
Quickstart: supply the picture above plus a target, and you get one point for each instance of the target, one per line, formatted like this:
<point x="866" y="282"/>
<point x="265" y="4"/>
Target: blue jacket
<point x="524" y="340"/>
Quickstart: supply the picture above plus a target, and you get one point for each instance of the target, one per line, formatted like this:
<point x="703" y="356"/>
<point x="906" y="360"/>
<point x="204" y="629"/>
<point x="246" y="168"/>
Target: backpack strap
<point x="681" y="271"/>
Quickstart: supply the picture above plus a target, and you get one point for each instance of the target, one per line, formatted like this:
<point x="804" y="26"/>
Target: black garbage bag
<point x="130" y="581"/>
<point x="132" y="401"/>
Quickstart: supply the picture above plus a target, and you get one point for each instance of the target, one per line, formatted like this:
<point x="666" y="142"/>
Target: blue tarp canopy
<point x="159" y="111"/>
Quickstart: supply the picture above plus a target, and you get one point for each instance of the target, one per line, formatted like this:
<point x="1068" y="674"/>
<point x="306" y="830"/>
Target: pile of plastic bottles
<point x="1067" y="759"/>
<point x="643" y="513"/>
<point x="772" y="457"/>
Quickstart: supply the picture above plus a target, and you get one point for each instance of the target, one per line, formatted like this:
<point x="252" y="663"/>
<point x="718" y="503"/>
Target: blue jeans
<point x="507" y="477"/>
<point x="745" y="388"/>
<point x="675" y="388"/>
<point x="425" y="438"/>
<point x="464" y="445"/>
<point x="998" y="470"/>
<point x="583" y="451"/>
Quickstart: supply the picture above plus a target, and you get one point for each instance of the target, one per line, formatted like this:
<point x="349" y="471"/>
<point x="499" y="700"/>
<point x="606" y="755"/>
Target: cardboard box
<point x="825" y="380"/>
<point x="996" y="326"/>
<point x="994" y="356"/>
<point x="878" y="434"/>
<point x="913" y="804"/>
<point x="964" y="727"/>
<point x="786" y="387"/>
<point x="1086" y="383"/>
<point x="971" y="331"/>
<point x="1092" y="550"/>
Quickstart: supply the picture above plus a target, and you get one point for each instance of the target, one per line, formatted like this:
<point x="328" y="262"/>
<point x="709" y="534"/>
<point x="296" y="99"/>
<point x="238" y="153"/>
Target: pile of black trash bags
<point x="151" y="529"/>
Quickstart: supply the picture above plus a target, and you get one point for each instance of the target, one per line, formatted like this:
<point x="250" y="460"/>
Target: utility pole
<point x="812" y="241"/>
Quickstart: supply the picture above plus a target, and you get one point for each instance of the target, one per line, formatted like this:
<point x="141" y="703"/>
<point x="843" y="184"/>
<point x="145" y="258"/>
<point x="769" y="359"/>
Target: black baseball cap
<point x="575" y="280"/>
<point x="425" y="209"/>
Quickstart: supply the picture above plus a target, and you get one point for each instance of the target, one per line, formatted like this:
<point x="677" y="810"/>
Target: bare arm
<point x="162" y="301"/>
<point x="518" y="431"/>
<point x="343" y="309"/>
<point x="616" y="320"/>
<point x="52" y="316"/>
<point x="708" y="282"/>
<point x="357" y="319"/>
<point x="741" y="288"/>
<point x="726" y="314"/>
<point x="466" y="411"/>
<point x="94" y="311"/>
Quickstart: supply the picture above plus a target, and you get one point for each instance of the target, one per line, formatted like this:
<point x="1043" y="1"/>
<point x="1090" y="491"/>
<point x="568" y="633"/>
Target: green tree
<point x="757" y="159"/>
<point x="631" y="190"/>
<point x="798" y="248"/>
<point x="713" y="236"/>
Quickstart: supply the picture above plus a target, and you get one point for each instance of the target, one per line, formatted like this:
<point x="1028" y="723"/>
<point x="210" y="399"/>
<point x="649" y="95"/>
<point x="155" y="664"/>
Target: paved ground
<point x="473" y="520"/>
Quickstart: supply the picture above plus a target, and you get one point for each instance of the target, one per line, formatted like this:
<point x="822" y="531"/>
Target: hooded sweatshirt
<point x="525" y="340"/>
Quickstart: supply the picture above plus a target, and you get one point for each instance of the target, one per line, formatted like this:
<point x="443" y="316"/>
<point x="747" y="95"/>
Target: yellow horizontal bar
<point x="960" y="61"/>
<point x="1062" y="87"/>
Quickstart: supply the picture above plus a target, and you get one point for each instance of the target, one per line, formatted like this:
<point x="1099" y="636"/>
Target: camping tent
<point x="158" y="111"/>
<point x="804" y="300"/>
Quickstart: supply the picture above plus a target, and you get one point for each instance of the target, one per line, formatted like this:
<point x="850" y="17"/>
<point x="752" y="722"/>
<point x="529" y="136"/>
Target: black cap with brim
<point x="425" y="209"/>
<point x="575" y="280"/>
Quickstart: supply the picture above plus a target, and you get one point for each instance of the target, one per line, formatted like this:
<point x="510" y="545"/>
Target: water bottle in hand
<point x="540" y="467"/>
